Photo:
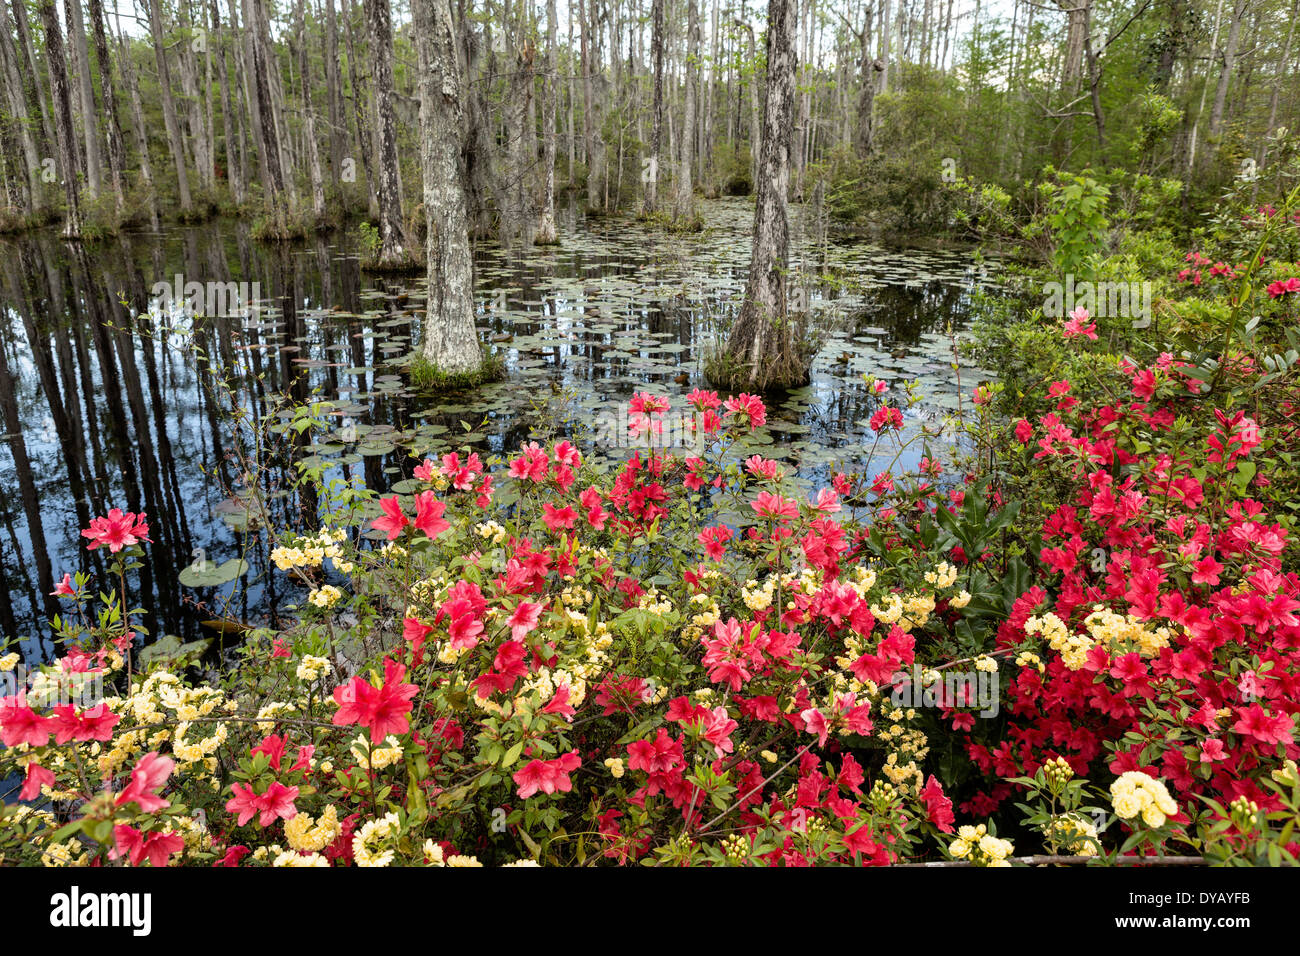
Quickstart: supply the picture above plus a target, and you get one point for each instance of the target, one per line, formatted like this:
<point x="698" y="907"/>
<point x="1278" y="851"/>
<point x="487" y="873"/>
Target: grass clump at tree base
<point x="427" y="377"/>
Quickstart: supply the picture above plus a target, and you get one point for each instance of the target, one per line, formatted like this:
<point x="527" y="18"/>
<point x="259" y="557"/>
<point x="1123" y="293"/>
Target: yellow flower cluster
<point x="653" y="601"/>
<point x="325" y="596"/>
<point x="311" y="669"/>
<point x="311" y="836"/>
<point x="491" y="531"/>
<point x="943" y="576"/>
<point x="9" y="662"/>
<point x="267" y="712"/>
<point x="1287" y="774"/>
<point x="615" y="765"/>
<point x="980" y="847"/>
<point x="1118" y="633"/>
<point x="200" y="751"/>
<point x="1125" y="633"/>
<point x="1028" y="659"/>
<point x="162" y="697"/>
<point x="1135" y="793"/>
<point x="1074" y="833"/>
<point x="758" y="597"/>
<point x="371" y="844"/>
<point x="295" y="860"/>
<point x="374" y="755"/>
<point x="433" y="853"/>
<point x="310" y="551"/>
<point x="890" y="611"/>
<point x="1058" y="772"/>
<point x="72" y="853"/>
<point x="1073" y="648"/>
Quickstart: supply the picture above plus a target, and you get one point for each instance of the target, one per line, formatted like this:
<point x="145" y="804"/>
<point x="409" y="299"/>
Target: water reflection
<point x="103" y="401"/>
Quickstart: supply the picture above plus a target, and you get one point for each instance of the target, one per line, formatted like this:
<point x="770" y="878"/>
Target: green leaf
<point x="209" y="574"/>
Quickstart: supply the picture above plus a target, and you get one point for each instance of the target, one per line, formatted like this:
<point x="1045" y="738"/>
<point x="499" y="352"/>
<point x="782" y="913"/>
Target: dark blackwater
<point x="107" y="402"/>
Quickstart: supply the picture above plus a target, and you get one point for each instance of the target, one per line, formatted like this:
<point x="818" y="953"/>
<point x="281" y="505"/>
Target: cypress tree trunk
<point x="268" y="137"/>
<point x="546" y="233"/>
<point x="309" y="121"/>
<point x="450" y="340"/>
<point x="27" y="52"/>
<point x="116" y="149"/>
<point x="333" y="94"/>
<point x="762" y="351"/>
<point x="684" y="198"/>
<point x="137" y="119"/>
<point x="651" y="170"/>
<point x="16" y="102"/>
<point x="232" y="127"/>
<point x="84" y="94"/>
<point x="62" y="117"/>
<point x="169" y="106"/>
<point x="392" y="246"/>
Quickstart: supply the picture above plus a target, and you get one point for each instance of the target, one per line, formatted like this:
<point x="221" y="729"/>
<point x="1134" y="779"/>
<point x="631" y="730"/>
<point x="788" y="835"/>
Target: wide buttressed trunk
<point x="450" y="340"/>
<point x="763" y="350"/>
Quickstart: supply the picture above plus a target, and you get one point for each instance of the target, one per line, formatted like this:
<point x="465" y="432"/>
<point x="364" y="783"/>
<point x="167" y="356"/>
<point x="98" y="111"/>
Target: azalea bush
<point x="1079" y="640"/>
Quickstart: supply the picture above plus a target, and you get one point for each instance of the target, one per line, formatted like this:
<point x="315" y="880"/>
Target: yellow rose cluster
<point x="1124" y="633"/>
<point x="1134" y="793"/>
<point x="980" y="848"/>
<point x="1074" y="833"/>
<point x="1118" y="633"/>
<point x="311" y="836"/>
<point x="310" y="551"/>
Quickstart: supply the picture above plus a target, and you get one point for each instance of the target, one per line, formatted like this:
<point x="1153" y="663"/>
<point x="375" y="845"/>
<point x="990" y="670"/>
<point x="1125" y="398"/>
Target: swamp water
<point x="108" y="394"/>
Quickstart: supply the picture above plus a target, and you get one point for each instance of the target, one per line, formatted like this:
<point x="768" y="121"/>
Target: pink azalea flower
<point x="393" y="520"/>
<point x="150" y="772"/>
<point x="1075" y="327"/>
<point x="381" y="709"/>
<point x="428" y="514"/>
<point x="768" y="505"/>
<point x="117" y="530"/>
<point x="157" y="848"/>
<point x="524" y="619"/>
<point x="1212" y="750"/>
<point x="547" y="776"/>
<point x="747" y="409"/>
<point x="558" y="519"/>
<point x="275" y="803"/>
<point x="37" y="777"/>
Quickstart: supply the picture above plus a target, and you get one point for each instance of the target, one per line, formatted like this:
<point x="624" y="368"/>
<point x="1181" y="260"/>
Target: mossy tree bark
<point x="379" y="23"/>
<point x="763" y="351"/>
<point x="651" y="171"/>
<point x="546" y="234"/>
<point x="450" y="340"/>
<point x="62" y="97"/>
<point x="684" y="192"/>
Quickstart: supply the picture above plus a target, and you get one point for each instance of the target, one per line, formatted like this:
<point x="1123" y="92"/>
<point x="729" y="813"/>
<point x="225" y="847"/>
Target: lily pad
<point x="209" y="574"/>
